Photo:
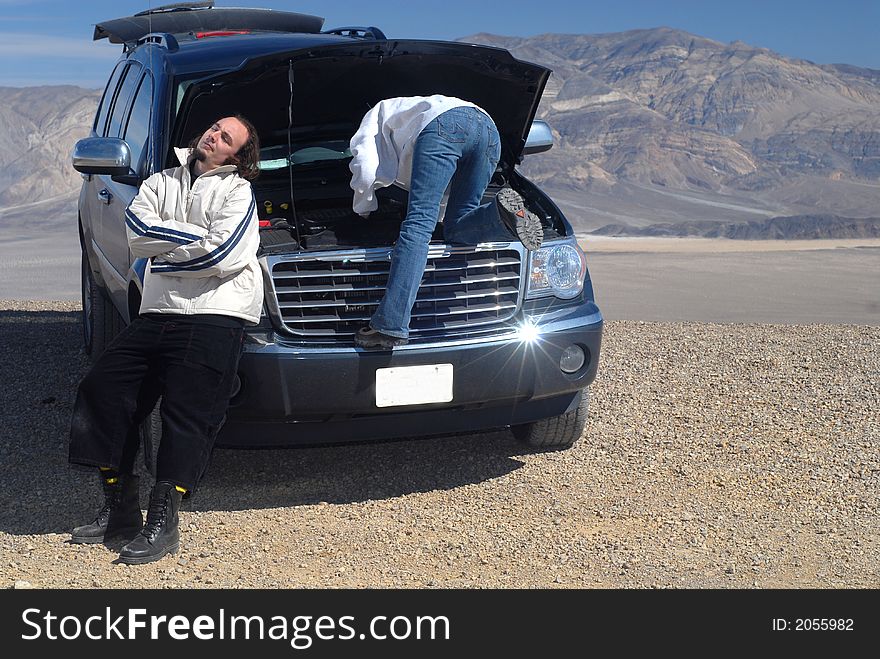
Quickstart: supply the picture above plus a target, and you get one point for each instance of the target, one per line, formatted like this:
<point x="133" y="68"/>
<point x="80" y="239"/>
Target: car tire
<point x="100" y="320"/>
<point x="557" y="432"/>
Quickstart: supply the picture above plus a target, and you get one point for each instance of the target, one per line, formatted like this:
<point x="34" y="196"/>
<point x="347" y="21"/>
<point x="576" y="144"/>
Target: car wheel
<point x="94" y="311"/>
<point x="100" y="320"/>
<point x="557" y="432"/>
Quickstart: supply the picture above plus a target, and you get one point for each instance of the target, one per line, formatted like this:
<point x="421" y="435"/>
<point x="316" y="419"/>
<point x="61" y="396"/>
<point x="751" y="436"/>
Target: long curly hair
<point x="247" y="158"/>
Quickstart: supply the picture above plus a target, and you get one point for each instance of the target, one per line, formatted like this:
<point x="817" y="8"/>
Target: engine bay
<point x="322" y="217"/>
<point x="304" y="202"/>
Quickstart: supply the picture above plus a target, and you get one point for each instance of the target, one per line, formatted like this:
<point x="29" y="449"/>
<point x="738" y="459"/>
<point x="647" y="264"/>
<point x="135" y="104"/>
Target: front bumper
<point x="291" y="395"/>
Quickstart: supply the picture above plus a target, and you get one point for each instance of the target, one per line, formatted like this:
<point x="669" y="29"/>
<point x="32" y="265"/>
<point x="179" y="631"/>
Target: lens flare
<point x="528" y="333"/>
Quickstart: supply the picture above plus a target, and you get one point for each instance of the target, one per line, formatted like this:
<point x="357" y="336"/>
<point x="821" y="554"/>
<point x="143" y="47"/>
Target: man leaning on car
<point x="197" y="225"/>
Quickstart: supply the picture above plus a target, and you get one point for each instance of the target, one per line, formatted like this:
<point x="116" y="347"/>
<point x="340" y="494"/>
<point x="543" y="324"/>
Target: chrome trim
<point x="275" y="278"/>
<point x="478" y="279"/>
<point x="284" y="345"/>
<point x="101" y="155"/>
<point x="371" y="254"/>
<point x="569" y="323"/>
<point x="451" y="311"/>
<point x="455" y="295"/>
<point x="540" y="138"/>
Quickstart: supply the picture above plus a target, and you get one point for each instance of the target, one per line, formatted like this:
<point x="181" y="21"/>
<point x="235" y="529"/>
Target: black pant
<point x="192" y="366"/>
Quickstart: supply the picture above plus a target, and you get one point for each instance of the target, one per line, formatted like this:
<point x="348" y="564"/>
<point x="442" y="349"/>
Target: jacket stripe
<point x="217" y="255"/>
<point x="161" y="233"/>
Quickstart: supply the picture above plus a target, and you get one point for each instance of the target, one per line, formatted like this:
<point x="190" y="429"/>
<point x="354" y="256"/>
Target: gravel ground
<point x="716" y="456"/>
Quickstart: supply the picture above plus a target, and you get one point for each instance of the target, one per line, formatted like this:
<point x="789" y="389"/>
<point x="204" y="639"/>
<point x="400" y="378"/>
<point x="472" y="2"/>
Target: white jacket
<point x="201" y="238"/>
<point x="382" y="147"/>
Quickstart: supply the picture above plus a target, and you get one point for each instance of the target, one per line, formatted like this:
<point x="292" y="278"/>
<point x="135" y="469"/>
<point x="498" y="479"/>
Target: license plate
<point x="413" y="385"/>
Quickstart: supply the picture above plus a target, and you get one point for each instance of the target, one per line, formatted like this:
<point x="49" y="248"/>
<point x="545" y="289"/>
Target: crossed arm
<point x="182" y="249"/>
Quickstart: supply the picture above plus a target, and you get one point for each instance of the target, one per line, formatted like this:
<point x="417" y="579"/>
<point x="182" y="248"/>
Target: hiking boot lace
<point x="155" y="516"/>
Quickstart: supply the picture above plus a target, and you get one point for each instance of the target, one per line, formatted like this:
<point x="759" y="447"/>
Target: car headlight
<point x="557" y="270"/>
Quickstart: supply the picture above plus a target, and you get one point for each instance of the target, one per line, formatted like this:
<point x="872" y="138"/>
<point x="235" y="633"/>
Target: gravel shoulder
<point x="716" y="456"/>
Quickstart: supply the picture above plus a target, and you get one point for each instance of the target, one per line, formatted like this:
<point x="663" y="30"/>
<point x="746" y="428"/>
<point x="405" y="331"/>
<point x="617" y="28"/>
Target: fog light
<point x="572" y="359"/>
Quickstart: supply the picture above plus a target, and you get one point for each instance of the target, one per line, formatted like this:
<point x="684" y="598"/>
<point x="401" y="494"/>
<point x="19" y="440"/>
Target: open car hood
<point x="334" y="86"/>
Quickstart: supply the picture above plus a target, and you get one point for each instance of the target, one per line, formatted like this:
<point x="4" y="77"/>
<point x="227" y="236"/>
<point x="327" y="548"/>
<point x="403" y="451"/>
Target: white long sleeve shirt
<point x="382" y="147"/>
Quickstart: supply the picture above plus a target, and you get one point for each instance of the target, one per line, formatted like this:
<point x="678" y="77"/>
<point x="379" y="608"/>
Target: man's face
<point x="221" y="141"/>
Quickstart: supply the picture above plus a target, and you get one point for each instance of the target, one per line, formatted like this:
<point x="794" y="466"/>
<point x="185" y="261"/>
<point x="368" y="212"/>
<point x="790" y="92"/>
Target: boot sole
<point x="527" y="226"/>
<point x="375" y="342"/>
<point x="140" y="560"/>
<point x="80" y="540"/>
<point x="94" y="540"/>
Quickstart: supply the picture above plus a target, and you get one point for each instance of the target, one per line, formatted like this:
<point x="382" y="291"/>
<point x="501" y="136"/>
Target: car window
<point x="106" y="100"/>
<point x="120" y="104"/>
<point x="183" y="84"/>
<point x="181" y="90"/>
<point x="138" y="127"/>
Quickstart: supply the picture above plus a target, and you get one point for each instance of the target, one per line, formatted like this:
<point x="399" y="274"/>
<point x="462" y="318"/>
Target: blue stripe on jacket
<point x="217" y="255"/>
<point x="162" y="233"/>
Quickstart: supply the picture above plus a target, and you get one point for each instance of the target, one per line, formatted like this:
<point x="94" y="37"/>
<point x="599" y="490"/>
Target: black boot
<point x="119" y="517"/>
<point x="160" y="534"/>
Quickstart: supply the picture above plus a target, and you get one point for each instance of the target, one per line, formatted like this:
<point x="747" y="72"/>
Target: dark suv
<point x="501" y="337"/>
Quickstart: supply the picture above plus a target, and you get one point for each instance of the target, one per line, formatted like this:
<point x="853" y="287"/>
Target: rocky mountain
<point x="662" y="125"/>
<point x="38" y="128"/>
<point x="652" y="127"/>
<point x="798" y="227"/>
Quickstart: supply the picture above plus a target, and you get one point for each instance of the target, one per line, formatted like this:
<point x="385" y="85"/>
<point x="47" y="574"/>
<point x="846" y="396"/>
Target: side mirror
<point x="102" y="155"/>
<point x="540" y="138"/>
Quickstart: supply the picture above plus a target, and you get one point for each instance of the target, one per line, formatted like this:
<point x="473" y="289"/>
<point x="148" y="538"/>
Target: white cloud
<point x="18" y="45"/>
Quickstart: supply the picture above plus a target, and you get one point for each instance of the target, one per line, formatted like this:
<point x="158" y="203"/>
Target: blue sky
<point x="50" y="41"/>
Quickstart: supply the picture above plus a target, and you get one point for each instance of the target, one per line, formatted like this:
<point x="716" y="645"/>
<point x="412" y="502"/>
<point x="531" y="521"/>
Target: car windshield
<point x="276" y="157"/>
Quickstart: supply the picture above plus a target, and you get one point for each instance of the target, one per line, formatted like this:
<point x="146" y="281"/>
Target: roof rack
<point x="357" y="32"/>
<point x="162" y="38"/>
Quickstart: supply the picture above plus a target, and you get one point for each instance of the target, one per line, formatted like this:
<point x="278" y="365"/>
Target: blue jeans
<point x="458" y="150"/>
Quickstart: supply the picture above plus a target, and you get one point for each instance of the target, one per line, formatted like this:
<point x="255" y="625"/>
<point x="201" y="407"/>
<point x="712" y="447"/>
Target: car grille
<point x="465" y="292"/>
